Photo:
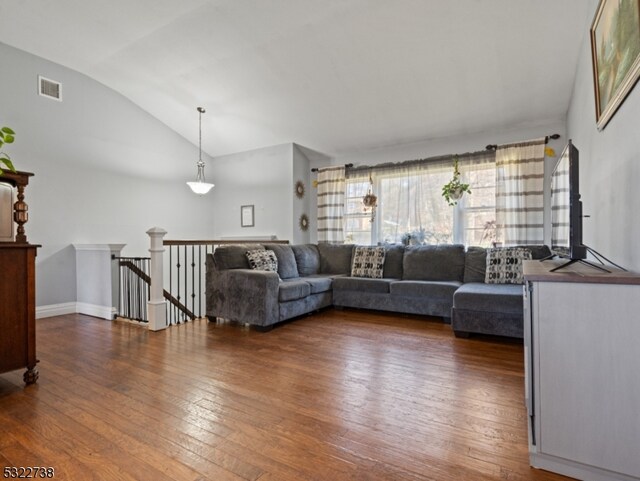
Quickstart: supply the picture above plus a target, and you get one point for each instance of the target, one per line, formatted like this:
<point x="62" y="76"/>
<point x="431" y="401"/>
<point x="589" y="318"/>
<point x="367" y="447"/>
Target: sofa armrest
<point x="243" y="295"/>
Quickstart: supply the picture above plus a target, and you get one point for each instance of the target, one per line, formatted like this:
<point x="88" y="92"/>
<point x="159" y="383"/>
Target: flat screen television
<point x="566" y="207"/>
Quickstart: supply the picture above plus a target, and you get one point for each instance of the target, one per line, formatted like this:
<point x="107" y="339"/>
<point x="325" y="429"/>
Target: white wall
<point x="301" y="172"/>
<point x="105" y="170"/>
<point x="262" y="178"/>
<point x="609" y="167"/>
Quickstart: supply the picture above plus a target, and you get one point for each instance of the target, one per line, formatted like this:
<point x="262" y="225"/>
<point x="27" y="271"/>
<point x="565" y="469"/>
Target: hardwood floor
<point x="340" y="395"/>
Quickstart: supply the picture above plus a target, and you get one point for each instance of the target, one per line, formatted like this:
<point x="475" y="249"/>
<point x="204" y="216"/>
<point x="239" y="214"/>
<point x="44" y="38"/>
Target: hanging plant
<point x="370" y="200"/>
<point x="7" y="136"/>
<point x="453" y="190"/>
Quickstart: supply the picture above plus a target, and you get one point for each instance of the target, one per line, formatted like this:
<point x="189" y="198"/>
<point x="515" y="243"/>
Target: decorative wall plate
<point x="299" y="189"/>
<point x="304" y="222"/>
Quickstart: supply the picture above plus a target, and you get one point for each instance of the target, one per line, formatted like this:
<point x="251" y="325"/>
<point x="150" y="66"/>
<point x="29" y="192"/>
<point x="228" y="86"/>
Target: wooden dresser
<point x="18" y="290"/>
<point x="18" y="309"/>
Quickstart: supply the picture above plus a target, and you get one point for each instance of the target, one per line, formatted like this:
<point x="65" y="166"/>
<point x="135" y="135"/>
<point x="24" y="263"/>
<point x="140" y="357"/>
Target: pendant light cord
<point x="201" y="111"/>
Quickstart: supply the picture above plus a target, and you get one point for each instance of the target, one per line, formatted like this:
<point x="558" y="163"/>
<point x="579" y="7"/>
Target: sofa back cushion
<point x="393" y="261"/>
<point x="335" y="258"/>
<point x="307" y="259"/>
<point x="287" y="266"/>
<point x="233" y="256"/>
<point x="538" y="251"/>
<point x="475" y="264"/>
<point x="433" y="263"/>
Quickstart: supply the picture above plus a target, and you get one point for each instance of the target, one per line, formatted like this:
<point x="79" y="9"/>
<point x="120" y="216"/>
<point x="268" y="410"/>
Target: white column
<point x="156" y="306"/>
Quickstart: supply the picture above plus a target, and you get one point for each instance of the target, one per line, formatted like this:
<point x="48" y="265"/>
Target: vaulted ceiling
<point x="333" y="75"/>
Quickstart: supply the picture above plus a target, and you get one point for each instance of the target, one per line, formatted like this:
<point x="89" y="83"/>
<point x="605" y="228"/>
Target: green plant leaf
<point x="6" y="161"/>
<point x="7" y="130"/>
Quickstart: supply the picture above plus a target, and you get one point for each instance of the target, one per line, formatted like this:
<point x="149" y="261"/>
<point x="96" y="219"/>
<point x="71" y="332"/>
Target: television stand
<point x="594" y="253"/>
<point x="581" y="261"/>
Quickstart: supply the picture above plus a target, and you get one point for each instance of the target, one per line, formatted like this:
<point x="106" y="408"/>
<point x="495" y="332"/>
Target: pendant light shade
<point x="200" y="186"/>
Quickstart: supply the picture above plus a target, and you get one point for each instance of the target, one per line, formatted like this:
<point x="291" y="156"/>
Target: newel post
<point x="156" y="307"/>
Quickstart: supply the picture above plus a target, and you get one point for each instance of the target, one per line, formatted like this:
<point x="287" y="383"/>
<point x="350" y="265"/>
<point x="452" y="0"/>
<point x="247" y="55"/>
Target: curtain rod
<point x="346" y="166"/>
<point x="546" y="141"/>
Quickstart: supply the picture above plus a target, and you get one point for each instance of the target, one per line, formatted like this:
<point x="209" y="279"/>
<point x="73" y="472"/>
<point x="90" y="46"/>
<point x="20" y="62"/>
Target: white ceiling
<point x="333" y="75"/>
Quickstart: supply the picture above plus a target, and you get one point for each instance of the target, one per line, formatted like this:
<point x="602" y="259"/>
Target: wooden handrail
<point x="145" y="277"/>
<point x="221" y="242"/>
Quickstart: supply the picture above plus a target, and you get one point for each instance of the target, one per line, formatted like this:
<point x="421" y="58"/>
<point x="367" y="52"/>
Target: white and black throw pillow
<point x="504" y="265"/>
<point x="262" y="260"/>
<point x="368" y="262"/>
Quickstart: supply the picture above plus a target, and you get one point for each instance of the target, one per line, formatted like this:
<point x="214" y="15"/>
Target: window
<point x="411" y="207"/>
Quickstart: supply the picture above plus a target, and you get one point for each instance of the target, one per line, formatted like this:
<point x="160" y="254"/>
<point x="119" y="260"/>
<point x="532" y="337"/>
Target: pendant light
<point x="200" y="186"/>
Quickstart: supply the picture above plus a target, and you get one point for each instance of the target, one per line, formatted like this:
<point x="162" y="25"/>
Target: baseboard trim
<point x="55" y="310"/>
<point x="103" y="312"/>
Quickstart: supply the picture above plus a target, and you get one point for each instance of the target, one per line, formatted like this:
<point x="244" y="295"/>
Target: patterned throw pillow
<point x="504" y="265"/>
<point x="262" y="260"/>
<point x="368" y="262"/>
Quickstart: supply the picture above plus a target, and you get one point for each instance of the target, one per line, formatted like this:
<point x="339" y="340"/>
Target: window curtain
<point x="519" y="193"/>
<point x="410" y="198"/>
<point x="331" y="188"/>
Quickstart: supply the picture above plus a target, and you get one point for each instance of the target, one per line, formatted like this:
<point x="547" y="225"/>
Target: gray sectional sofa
<point x="444" y="281"/>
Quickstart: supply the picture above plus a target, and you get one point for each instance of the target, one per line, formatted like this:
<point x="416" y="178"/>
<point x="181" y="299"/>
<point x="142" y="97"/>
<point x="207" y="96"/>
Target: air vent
<point x="49" y="88"/>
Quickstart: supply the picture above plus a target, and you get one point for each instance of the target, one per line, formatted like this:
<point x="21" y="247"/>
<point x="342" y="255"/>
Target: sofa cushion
<point x="503" y="298"/>
<point x="393" y="261"/>
<point x="429" y="289"/>
<point x="335" y="258"/>
<point x="475" y="264"/>
<point x="443" y="262"/>
<point x="380" y="286"/>
<point x="232" y="256"/>
<point x="287" y="267"/>
<point x="307" y="259"/>
<point x="504" y="265"/>
<point x="293" y="289"/>
<point x="319" y="284"/>
<point x="368" y="261"/>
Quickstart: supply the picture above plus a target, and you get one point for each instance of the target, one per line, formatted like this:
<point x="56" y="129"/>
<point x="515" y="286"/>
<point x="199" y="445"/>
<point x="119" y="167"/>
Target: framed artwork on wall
<point x="615" y="53"/>
<point x="246" y="216"/>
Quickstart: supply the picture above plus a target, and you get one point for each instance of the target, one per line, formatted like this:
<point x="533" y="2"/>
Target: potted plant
<point x="453" y="190"/>
<point x="7" y="136"/>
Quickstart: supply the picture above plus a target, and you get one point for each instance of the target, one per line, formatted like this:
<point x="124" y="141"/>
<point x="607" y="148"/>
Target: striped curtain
<point x="331" y="187"/>
<point x="519" y="193"/>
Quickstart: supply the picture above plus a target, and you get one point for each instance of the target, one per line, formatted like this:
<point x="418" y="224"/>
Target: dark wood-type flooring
<point x="340" y="395"/>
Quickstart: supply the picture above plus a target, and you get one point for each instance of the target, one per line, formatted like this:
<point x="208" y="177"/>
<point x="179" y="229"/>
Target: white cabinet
<point x="582" y="361"/>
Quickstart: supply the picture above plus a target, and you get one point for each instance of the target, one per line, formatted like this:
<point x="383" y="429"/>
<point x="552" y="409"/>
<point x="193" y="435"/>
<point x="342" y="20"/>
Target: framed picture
<point x="246" y="216"/>
<point x="615" y="53"/>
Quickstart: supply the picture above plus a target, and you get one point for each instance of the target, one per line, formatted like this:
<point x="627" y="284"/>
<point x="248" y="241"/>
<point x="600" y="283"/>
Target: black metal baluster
<point x="178" y="276"/>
